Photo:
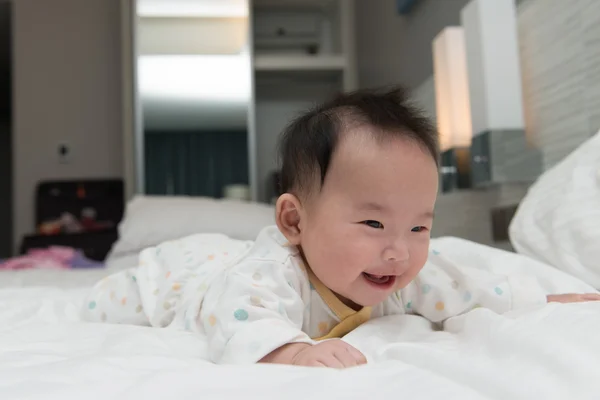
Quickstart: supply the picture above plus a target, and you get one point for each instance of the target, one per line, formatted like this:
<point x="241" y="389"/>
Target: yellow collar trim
<point x="349" y="318"/>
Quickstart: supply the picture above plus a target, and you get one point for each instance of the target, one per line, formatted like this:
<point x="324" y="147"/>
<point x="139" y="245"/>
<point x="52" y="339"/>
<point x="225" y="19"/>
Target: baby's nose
<point x="397" y="253"/>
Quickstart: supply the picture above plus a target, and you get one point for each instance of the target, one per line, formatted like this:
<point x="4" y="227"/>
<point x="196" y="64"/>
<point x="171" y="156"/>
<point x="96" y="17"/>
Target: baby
<point x="359" y="176"/>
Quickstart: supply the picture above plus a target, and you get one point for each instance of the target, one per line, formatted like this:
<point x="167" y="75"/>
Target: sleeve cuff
<point x="259" y="338"/>
<point x="526" y="292"/>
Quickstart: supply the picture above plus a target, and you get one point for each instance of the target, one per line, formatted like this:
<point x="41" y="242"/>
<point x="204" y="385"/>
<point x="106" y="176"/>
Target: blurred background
<point x="105" y="100"/>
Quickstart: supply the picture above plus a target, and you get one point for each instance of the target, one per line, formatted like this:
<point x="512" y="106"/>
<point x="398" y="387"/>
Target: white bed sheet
<point x="46" y="352"/>
<point x="64" y="278"/>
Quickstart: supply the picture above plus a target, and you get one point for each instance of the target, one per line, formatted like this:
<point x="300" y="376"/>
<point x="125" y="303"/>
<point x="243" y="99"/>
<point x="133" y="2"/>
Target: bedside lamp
<point x="452" y="107"/>
<point x="500" y="152"/>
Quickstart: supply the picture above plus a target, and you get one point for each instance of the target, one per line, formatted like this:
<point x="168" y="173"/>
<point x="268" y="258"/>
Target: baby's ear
<point x="288" y="214"/>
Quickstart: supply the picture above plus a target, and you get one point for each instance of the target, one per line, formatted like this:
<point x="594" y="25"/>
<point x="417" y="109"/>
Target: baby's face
<point x="366" y="234"/>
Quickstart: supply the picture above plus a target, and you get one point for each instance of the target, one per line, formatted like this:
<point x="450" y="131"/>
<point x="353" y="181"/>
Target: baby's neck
<point x="347" y="302"/>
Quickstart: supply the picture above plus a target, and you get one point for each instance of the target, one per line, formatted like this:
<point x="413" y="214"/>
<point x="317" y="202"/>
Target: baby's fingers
<point x="573" y="297"/>
<point x="332" y="361"/>
<point x="590" y="297"/>
<point x="358" y="356"/>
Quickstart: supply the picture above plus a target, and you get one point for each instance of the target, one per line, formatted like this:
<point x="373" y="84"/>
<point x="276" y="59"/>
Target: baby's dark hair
<point x="308" y="142"/>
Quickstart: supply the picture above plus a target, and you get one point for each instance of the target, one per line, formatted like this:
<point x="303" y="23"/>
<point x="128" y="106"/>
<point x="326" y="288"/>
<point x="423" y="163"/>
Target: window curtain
<point x="195" y="163"/>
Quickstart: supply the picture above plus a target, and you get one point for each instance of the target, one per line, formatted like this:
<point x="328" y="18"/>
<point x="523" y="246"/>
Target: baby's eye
<point x="373" y="224"/>
<point x="418" y="229"/>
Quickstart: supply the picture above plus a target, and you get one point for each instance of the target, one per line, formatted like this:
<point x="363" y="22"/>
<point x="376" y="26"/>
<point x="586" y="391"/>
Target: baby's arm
<point x="442" y="291"/>
<point x="255" y="314"/>
<point x="252" y="310"/>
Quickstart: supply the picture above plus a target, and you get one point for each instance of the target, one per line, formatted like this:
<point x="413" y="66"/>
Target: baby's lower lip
<point x="380" y="281"/>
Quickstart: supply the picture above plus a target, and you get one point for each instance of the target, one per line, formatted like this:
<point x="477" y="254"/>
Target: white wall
<point x="560" y="63"/>
<point x="66" y="88"/>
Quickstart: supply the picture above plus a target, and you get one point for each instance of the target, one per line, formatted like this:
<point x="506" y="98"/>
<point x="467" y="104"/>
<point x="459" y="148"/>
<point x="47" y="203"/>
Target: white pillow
<point x="558" y="222"/>
<point x="151" y="220"/>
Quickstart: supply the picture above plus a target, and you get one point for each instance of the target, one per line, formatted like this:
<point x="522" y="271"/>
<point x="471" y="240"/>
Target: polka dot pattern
<point x="133" y="278"/>
<point x="467" y="296"/>
<point x="139" y="308"/>
<point x="440" y="306"/>
<point x="498" y="291"/>
<point x="257" y="276"/>
<point x="425" y="288"/>
<point x="168" y="274"/>
<point x="455" y="285"/>
<point x="176" y="287"/>
<point x="167" y="305"/>
<point x="124" y="301"/>
<point x="409" y="305"/>
<point x="211" y="257"/>
<point x="255" y="301"/>
<point x="323" y="327"/>
<point x="92" y="305"/>
<point x="435" y="252"/>
<point x="155" y="292"/>
<point x="212" y="320"/>
<point x="240" y="314"/>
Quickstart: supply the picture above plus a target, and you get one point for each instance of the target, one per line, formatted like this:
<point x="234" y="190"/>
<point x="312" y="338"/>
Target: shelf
<point x="299" y="63"/>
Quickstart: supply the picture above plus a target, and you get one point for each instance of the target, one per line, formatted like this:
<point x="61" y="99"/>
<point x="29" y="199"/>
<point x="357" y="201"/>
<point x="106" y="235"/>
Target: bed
<point x="548" y="353"/>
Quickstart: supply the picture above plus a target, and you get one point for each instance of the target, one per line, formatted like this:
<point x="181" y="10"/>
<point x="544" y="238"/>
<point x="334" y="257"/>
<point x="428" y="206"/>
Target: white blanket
<point x="547" y="353"/>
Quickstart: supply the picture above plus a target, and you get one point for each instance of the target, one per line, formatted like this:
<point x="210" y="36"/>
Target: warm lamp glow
<point x="452" y="89"/>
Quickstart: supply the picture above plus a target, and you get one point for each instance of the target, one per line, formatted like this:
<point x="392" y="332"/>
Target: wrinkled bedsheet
<point x="552" y="352"/>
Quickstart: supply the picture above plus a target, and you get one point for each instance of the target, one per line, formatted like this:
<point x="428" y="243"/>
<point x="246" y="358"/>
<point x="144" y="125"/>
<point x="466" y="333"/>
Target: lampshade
<point x="452" y="89"/>
<point x="490" y="29"/>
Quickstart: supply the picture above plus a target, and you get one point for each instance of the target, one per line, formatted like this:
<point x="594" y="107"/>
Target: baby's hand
<point x="332" y="353"/>
<point x="572" y="297"/>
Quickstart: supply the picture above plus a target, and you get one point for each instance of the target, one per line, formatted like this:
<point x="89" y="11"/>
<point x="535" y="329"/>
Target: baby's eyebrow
<point x="371" y="206"/>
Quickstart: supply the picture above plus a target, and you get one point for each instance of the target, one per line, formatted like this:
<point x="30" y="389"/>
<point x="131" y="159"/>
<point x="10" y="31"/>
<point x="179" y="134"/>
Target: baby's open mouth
<point x="381" y="281"/>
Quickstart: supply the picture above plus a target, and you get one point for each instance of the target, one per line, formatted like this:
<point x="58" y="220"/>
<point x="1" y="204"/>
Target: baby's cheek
<point x="404" y="280"/>
<point x="411" y="274"/>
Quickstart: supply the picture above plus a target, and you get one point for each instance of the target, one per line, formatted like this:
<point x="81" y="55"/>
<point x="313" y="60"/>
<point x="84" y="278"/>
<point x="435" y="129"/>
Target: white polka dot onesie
<point x="249" y="298"/>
